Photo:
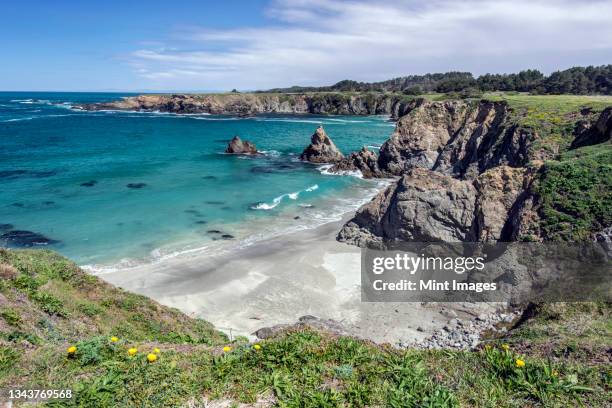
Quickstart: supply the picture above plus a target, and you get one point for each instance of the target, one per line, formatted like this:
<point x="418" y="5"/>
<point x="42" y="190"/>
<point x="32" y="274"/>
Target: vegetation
<point x="576" y="193"/>
<point x="576" y="80"/>
<point x="119" y="351"/>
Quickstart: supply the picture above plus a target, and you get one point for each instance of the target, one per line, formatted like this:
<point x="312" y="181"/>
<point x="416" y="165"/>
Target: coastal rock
<point x="239" y="146"/>
<point x="458" y="138"/>
<point x="497" y="191"/>
<point x="246" y="104"/>
<point x="594" y="133"/>
<point x="423" y="206"/>
<point x="364" y="161"/>
<point x="24" y="239"/>
<point x="321" y="149"/>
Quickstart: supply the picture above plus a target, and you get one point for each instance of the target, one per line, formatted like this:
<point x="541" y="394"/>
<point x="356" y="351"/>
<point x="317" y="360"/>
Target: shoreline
<point x="259" y="286"/>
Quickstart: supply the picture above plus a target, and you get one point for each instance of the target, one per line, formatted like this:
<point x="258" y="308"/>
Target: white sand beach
<point x="277" y="281"/>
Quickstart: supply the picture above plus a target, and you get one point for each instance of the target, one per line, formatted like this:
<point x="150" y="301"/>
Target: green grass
<point x="297" y="369"/>
<point x="576" y="193"/>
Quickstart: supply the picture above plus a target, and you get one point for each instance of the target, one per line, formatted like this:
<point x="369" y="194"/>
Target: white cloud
<point x="315" y="42"/>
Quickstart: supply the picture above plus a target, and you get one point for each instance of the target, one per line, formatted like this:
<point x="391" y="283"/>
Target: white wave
<point x="376" y="146"/>
<point x="272" y="153"/>
<point x="280" y="198"/>
<point x="17" y="119"/>
<point x="325" y="169"/>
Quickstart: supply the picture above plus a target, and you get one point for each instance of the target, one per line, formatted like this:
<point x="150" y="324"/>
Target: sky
<point x="201" y="45"/>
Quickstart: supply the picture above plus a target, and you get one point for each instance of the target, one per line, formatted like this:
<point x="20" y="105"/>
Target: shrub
<point x="11" y="316"/>
<point x="49" y="303"/>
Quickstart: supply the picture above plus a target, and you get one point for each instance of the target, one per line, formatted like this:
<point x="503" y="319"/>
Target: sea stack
<point x="321" y="149"/>
<point x="239" y="146"/>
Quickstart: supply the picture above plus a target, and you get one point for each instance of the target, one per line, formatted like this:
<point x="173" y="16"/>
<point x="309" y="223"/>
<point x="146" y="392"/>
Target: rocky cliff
<point x="259" y="103"/>
<point x="468" y="171"/>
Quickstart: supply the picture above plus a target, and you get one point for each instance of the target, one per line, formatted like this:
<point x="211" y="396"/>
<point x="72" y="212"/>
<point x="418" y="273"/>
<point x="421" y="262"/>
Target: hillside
<point x="48" y="304"/>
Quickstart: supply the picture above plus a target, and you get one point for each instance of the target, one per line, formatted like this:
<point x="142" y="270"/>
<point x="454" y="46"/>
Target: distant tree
<point x="413" y="90"/>
<point x="235" y="90"/>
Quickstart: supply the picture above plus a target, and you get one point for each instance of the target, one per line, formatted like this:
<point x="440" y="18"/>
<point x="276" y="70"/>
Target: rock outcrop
<point x="321" y="149"/>
<point x="364" y="161"/>
<point x="591" y="133"/>
<point x="429" y="206"/>
<point x="458" y="138"/>
<point x="239" y="146"/>
<point x="260" y="103"/>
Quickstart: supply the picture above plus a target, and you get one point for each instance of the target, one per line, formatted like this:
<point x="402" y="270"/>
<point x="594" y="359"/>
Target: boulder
<point x="24" y="239"/>
<point x="321" y="149"/>
<point x="239" y="146"/>
<point x="363" y="161"/>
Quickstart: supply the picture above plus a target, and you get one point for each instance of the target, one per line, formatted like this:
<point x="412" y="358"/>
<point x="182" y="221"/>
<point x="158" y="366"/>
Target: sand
<point x="280" y="279"/>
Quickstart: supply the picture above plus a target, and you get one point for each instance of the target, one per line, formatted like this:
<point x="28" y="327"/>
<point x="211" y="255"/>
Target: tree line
<point x="576" y="80"/>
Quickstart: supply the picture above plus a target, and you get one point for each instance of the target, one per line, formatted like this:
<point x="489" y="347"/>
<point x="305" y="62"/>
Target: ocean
<point x="122" y="188"/>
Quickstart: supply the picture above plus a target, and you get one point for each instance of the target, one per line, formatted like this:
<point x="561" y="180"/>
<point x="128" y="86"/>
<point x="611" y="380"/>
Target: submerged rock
<point x="90" y="183"/>
<point x="321" y="149"/>
<point x="6" y="227"/>
<point x="239" y="146"/>
<point x="24" y="239"/>
<point x="136" y="185"/>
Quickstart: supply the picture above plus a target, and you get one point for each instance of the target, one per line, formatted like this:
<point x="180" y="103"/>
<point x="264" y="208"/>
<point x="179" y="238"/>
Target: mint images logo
<point x="475" y="272"/>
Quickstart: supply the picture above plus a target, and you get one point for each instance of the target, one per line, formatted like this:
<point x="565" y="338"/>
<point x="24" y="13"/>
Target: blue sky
<point x="257" y="44"/>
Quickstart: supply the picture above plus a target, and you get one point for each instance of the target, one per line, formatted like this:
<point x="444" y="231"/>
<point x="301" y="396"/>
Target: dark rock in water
<point x="239" y="146"/>
<point x="25" y="239"/>
<point x="194" y="212"/>
<point x="136" y="185"/>
<point x="262" y="169"/>
<point x="321" y="149"/>
<point x="6" y="227"/>
<point x="48" y="202"/>
<point x="213" y="232"/>
<point x="215" y="202"/>
<point x="90" y="183"/>
<point x="297" y="217"/>
<point x="227" y="236"/>
<point x="20" y="205"/>
<point x="209" y="177"/>
<point x="227" y="208"/>
<point x="201" y="222"/>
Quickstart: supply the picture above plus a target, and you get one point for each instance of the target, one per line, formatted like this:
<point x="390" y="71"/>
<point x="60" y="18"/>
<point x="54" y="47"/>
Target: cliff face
<point x="258" y="103"/>
<point x="468" y="172"/>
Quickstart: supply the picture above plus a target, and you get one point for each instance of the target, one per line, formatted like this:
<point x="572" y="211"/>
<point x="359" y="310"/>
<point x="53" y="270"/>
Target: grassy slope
<point x="297" y="369"/>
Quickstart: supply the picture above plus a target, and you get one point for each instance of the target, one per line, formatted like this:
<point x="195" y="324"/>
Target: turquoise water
<point x="48" y="150"/>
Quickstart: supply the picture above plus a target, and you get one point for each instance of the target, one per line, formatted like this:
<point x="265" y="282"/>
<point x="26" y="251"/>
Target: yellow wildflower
<point x="519" y="363"/>
<point x="156" y="350"/>
<point x="555" y="373"/>
<point x="132" y="351"/>
<point x="151" y="357"/>
<point x="227" y="349"/>
<point x="257" y="347"/>
<point x="71" y="350"/>
<point x="487" y="347"/>
<point x="506" y="347"/>
<point x="114" y="339"/>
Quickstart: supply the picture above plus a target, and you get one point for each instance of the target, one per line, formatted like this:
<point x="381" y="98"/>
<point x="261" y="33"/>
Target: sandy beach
<point x="280" y="279"/>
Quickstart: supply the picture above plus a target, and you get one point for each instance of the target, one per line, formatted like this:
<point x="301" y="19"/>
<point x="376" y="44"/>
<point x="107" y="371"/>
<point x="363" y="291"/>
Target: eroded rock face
<point x="239" y="146"/>
<point x="429" y="206"/>
<point x="364" y="161"/>
<point x="422" y="206"/>
<point x="594" y="133"/>
<point x="457" y="138"/>
<point x="321" y="149"/>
